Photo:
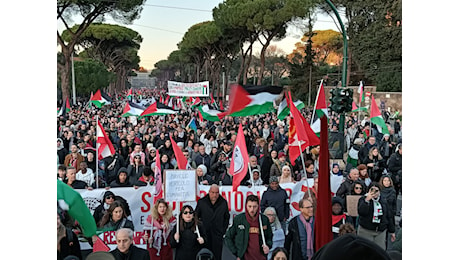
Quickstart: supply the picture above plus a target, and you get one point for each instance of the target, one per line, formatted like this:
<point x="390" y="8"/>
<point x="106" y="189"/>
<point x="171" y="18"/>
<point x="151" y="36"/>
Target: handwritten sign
<point x="180" y="185"/>
<point x="352" y="205"/>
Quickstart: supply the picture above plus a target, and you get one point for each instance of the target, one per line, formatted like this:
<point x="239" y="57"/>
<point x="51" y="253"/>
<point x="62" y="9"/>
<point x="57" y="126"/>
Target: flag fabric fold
<point x="158" y="108"/>
<point x="283" y="109"/>
<point x="300" y="132"/>
<point x="251" y="100"/>
<point x="100" y="99"/>
<point x="323" y="218"/>
<point x="377" y="119"/>
<point x="103" y="144"/>
<point x="158" y="181"/>
<point x="320" y="109"/>
<point x="192" y="125"/>
<point x="180" y="157"/>
<point x="240" y="159"/>
<point x="77" y="208"/>
<point x="209" y="114"/>
<point x="132" y="109"/>
<point x="100" y="246"/>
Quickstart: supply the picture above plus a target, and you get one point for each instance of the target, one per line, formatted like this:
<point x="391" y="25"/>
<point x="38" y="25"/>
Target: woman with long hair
<point x="191" y="236"/>
<point x="364" y="175"/>
<point x="158" y="229"/>
<point x="135" y="170"/>
<point x="115" y="218"/>
<point x="375" y="164"/>
<point x="277" y="230"/>
<point x="286" y="175"/>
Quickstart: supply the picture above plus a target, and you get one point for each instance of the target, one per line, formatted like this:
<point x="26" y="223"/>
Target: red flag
<point x="323" y="218"/>
<point x="100" y="246"/>
<point x="294" y="150"/>
<point x="200" y="116"/>
<point x="240" y="159"/>
<point x="158" y="193"/>
<point x="300" y="132"/>
<point x="180" y="157"/>
<point x="221" y="106"/>
<point x="103" y="145"/>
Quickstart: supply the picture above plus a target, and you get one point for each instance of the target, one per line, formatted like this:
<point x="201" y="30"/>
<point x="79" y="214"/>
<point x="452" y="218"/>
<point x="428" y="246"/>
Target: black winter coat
<point x="215" y="217"/>
<point x="366" y="213"/>
<point x="188" y="246"/>
<point x="277" y="199"/>
<point x="69" y="246"/>
<point x="134" y="253"/>
<point x="292" y="242"/>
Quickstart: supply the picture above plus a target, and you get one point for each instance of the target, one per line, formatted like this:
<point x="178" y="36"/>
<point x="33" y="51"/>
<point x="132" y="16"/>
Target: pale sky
<point x="163" y="24"/>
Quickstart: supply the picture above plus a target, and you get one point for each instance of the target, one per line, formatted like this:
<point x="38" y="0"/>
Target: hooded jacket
<point x="117" y="183"/>
<point x="340" y="218"/>
<point x="277" y="199"/>
<point x="61" y="152"/>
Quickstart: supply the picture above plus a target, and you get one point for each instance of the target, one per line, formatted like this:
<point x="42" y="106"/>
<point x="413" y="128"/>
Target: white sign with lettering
<point x="180" y="185"/>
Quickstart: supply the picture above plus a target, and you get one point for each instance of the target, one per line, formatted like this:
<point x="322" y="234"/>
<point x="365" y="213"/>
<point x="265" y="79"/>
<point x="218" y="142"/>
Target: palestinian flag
<point x="100" y="99"/>
<point x="71" y="201"/>
<point x="196" y="101"/>
<point x="65" y="108"/>
<point x="103" y="144"/>
<point x="361" y="92"/>
<point x="377" y="119"/>
<point x="355" y="108"/>
<point x="129" y="96"/>
<point x="320" y="109"/>
<point x="209" y="114"/>
<point x="158" y="108"/>
<point x="283" y="109"/>
<point x="251" y="100"/>
<point x="132" y="109"/>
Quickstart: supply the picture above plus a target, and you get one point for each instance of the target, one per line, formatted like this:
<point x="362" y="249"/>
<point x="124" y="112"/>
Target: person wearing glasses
<point x="191" y="237"/>
<point x="375" y="217"/>
<point x="277" y="230"/>
<point x="100" y="210"/>
<point x="300" y="240"/>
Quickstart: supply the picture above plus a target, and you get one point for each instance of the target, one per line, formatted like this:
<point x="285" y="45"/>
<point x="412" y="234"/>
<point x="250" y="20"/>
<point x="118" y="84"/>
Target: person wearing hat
<point x="201" y="175"/>
<point x="276" y="197"/>
<point x="278" y="164"/>
<point x="338" y="216"/>
<point x="100" y="210"/>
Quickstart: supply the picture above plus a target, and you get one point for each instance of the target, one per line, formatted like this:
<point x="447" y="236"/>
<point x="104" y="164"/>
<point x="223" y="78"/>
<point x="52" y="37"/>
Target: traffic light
<point x="335" y="100"/>
<point x="341" y="100"/>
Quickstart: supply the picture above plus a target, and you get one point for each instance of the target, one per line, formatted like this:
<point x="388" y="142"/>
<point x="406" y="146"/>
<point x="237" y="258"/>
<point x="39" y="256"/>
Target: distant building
<point x="142" y="80"/>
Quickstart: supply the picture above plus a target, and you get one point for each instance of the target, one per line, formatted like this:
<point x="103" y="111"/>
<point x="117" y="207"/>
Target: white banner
<point x="140" y="203"/>
<point x="197" y="89"/>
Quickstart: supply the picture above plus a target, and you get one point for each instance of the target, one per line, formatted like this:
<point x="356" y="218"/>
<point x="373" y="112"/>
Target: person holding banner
<point x="158" y="229"/>
<point x="250" y="236"/>
<point x="191" y="236"/>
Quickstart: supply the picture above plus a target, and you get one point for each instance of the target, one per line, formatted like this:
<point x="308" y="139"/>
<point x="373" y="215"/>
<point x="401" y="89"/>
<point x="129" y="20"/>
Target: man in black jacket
<point x="276" y="197"/>
<point x="212" y="211"/>
<point x="125" y="249"/>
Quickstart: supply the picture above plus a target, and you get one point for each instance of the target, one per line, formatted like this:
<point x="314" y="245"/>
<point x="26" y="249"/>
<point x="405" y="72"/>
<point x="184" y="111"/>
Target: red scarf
<point x="337" y="218"/>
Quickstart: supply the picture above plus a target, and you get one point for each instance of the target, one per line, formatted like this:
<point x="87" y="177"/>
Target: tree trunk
<point x="65" y="74"/>
<point x="246" y="67"/>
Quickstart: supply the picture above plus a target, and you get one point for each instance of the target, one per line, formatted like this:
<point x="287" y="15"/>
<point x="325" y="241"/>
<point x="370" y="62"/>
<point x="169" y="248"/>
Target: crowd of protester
<point x="371" y="168"/>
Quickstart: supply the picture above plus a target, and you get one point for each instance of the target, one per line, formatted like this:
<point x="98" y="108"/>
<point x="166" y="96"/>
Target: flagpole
<point x="316" y="100"/>
<point x="97" y="156"/>
<point x="304" y="170"/>
<point x="360" y="94"/>
<point x="250" y="174"/>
